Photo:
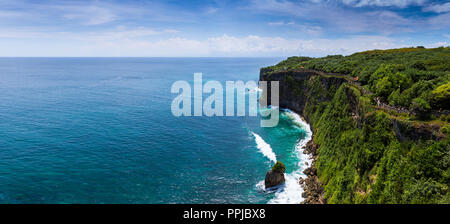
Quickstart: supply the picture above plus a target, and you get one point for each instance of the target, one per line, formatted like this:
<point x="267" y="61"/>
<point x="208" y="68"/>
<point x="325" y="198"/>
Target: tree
<point x="422" y="107"/>
<point x="384" y="87"/>
<point x="441" y="95"/>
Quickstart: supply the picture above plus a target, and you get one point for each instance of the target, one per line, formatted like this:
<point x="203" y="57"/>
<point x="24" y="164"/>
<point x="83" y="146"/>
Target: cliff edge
<point x="363" y="153"/>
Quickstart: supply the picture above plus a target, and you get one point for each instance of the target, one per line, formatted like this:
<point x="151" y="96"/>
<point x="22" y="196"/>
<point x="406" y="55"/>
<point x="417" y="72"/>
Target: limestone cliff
<point x="362" y="154"/>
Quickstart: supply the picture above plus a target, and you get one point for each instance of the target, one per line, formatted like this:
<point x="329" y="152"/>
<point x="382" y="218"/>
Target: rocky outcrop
<point x="420" y="131"/>
<point x="275" y="177"/>
<point x="313" y="190"/>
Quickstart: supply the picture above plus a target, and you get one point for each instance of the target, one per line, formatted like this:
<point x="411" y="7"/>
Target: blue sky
<point x="168" y="28"/>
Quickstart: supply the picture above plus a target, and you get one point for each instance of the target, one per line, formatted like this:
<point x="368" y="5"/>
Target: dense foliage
<point x="367" y="154"/>
<point x="362" y="160"/>
<point x="414" y="78"/>
<point x="370" y="164"/>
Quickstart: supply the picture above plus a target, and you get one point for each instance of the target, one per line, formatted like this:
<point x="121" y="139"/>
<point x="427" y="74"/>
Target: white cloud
<point x="305" y="28"/>
<point x="311" y="18"/>
<point x="255" y="46"/>
<point x="441" y="21"/>
<point x="102" y="12"/>
<point x="276" y="23"/>
<point x="438" y="8"/>
<point x="250" y="45"/>
<point x="439" y="44"/>
<point x="135" y="42"/>
<point x="10" y="14"/>
<point x="124" y="33"/>
<point x="281" y="6"/>
<point x="22" y="34"/>
<point x="211" y="10"/>
<point x="140" y="48"/>
<point x="336" y="18"/>
<point x="396" y="3"/>
<point x="281" y="23"/>
<point x="120" y="33"/>
<point x="89" y="15"/>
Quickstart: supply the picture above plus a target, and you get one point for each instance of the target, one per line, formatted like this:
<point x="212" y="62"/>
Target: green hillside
<point x="414" y="78"/>
<point x="368" y="153"/>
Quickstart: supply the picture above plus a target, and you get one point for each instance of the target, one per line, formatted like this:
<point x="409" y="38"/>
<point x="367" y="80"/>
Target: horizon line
<point x="148" y="56"/>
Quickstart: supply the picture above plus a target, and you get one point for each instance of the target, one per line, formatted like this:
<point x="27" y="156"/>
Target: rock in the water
<point x="275" y="176"/>
<point x="273" y="179"/>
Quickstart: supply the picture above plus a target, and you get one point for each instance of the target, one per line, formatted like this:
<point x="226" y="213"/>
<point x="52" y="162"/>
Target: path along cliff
<point x="359" y="142"/>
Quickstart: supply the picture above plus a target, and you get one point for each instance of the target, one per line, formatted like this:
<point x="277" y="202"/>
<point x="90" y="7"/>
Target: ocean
<point x="100" y="130"/>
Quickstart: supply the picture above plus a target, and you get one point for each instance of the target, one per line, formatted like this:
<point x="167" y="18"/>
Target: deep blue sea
<point x="100" y="130"/>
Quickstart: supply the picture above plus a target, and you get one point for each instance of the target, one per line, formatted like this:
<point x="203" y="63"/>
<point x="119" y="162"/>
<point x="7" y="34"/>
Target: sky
<point x="215" y="28"/>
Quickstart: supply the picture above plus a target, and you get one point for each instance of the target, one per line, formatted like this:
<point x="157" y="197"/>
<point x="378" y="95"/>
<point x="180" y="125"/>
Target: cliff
<point x="363" y="153"/>
<point x="298" y="88"/>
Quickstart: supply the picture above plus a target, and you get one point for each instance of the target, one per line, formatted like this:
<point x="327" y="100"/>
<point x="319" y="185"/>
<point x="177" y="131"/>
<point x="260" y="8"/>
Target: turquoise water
<point x="100" y="130"/>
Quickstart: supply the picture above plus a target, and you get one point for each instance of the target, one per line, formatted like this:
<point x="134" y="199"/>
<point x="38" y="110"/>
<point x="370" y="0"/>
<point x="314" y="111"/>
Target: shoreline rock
<point x="313" y="190"/>
<point x="275" y="177"/>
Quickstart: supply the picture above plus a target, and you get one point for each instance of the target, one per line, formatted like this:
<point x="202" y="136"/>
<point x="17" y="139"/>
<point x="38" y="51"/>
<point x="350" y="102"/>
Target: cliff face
<point x="297" y="90"/>
<point x="363" y="154"/>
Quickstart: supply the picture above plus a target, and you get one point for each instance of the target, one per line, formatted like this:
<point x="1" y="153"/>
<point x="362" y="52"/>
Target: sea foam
<point x="292" y="192"/>
<point x="264" y="148"/>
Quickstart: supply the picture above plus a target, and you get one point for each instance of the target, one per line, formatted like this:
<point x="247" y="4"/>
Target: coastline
<point x="369" y="153"/>
<point x="293" y="192"/>
<point x="312" y="189"/>
<point x="306" y="161"/>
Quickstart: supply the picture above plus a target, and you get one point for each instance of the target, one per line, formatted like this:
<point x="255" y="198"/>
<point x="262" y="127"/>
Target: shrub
<point x="279" y="167"/>
<point x="441" y="95"/>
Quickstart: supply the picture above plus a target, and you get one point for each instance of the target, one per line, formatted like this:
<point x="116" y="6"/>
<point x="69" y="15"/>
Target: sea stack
<point x="275" y="176"/>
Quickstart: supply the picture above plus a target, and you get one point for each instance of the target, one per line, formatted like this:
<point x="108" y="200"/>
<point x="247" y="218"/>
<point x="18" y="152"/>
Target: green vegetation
<point x="279" y="167"/>
<point x="441" y="95"/>
<point x="371" y="165"/>
<point x="414" y="78"/>
<point x="371" y="155"/>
